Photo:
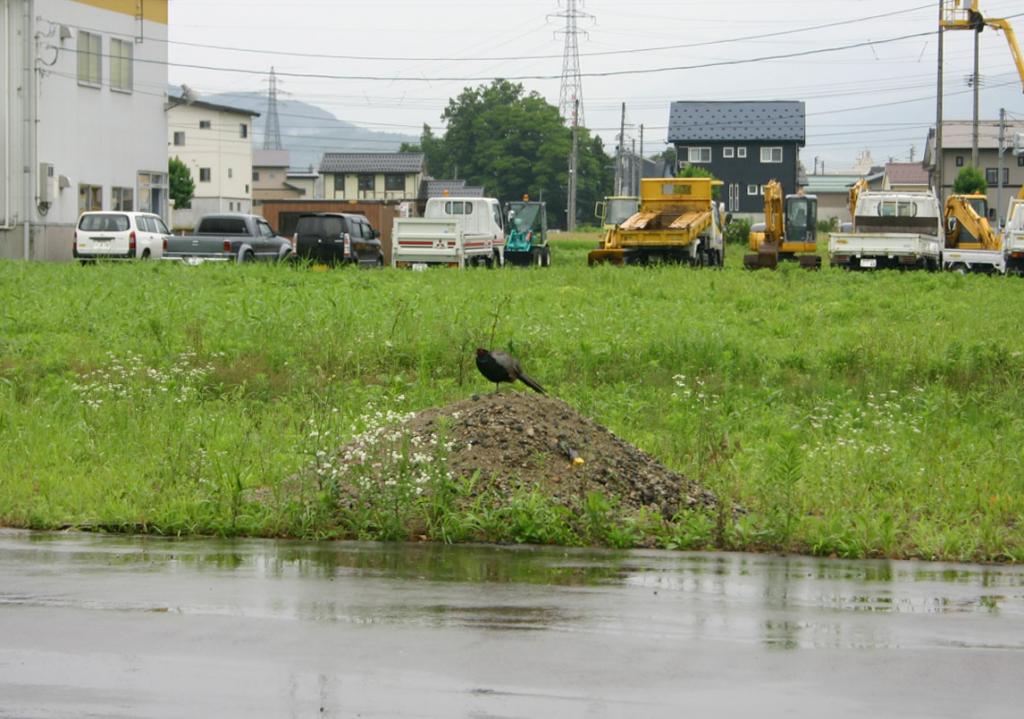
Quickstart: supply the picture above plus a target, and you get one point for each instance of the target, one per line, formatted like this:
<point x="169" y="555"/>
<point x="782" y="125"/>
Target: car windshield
<point x="104" y="223"/>
<point x="527" y="216"/>
<point x="620" y="210"/>
<point x="323" y="226"/>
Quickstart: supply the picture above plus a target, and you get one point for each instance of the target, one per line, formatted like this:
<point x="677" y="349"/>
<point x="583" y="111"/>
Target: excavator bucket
<point x="767" y="258"/>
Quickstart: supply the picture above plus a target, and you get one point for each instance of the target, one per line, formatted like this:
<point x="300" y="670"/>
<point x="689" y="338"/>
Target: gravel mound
<point x="513" y="440"/>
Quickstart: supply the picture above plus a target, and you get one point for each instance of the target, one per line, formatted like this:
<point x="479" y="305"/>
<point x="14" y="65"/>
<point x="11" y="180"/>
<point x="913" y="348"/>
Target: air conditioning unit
<point x="1018" y="143"/>
<point x="47" y="183"/>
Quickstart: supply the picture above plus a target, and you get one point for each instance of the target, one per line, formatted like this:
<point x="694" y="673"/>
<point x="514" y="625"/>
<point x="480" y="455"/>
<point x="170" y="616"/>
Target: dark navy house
<point x="744" y="144"/>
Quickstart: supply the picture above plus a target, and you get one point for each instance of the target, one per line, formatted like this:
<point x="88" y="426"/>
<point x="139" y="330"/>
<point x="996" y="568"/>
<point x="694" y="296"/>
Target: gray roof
<point x="270" y="158"/>
<point x="176" y="99"/>
<point x="781" y="121"/>
<point x="338" y="162"/>
<point x="455" y="188"/>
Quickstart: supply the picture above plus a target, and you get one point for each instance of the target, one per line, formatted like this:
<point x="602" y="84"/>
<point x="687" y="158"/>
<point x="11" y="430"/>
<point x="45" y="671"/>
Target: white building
<point x="215" y="142"/>
<point x="82" y="122"/>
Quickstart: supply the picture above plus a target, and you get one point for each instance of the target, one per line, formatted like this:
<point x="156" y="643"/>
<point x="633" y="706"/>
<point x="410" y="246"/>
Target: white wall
<point x="221" y="148"/>
<point x="91" y="135"/>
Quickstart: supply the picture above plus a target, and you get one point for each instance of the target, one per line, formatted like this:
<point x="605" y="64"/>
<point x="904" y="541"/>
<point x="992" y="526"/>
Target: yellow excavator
<point x="789" y="231"/>
<point x="971" y="243"/>
<point x="964" y="15"/>
<point x="678" y="221"/>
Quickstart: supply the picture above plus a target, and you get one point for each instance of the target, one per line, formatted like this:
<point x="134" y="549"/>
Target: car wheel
<point x="248" y="256"/>
<point x="145" y="255"/>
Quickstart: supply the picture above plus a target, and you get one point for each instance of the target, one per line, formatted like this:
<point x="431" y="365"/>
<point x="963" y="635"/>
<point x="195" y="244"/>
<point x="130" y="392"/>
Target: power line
<point x="602" y="53"/>
<point x="609" y="73"/>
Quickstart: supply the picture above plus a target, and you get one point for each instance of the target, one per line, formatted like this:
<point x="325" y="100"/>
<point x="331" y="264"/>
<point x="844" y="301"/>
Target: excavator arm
<point x="858" y="187"/>
<point x="965" y="228"/>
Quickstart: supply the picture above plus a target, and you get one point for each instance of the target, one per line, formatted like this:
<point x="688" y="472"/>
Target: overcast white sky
<point x="879" y="97"/>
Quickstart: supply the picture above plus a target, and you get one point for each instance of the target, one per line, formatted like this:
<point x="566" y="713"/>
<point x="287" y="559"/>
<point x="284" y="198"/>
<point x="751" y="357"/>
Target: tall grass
<point x="845" y="414"/>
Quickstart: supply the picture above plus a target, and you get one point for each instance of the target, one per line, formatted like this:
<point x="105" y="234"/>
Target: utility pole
<point x="641" y="173"/>
<point x="570" y="220"/>
<point x="976" y="82"/>
<point x="1002" y="149"/>
<point x="618" y="153"/>
<point x="938" y="158"/>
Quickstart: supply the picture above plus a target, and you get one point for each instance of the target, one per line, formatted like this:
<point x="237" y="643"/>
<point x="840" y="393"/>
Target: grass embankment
<point x="848" y="414"/>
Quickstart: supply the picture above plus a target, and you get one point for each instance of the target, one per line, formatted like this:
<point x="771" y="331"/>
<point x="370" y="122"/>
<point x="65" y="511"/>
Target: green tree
<point x="182" y="186"/>
<point x="696" y="171"/>
<point x="512" y="143"/>
<point x="970" y="181"/>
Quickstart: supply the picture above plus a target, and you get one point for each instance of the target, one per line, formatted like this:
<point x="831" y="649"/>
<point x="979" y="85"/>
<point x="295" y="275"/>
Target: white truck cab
<point x="455" y="231"/>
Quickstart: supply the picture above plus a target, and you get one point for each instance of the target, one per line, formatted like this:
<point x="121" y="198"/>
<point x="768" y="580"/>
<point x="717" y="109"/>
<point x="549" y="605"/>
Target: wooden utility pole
<point x="570" y="221"/>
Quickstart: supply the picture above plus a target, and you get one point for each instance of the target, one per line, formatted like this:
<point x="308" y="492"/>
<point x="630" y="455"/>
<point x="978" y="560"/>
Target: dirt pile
<point x="513" y="439"/>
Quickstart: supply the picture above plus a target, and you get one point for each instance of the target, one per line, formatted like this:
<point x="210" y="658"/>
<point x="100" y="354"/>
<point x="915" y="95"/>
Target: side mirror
<point x="376" y="234"/>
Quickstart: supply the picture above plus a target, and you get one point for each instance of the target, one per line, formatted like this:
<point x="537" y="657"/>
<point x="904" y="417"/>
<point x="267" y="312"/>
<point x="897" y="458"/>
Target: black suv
<point x="331" y="238"/>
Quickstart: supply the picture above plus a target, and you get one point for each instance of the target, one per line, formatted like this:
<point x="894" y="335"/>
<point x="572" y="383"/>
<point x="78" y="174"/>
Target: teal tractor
<point x="527" y="240"/>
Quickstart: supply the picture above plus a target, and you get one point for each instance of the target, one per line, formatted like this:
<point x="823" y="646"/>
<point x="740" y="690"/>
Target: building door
<point x="734" y="197"/>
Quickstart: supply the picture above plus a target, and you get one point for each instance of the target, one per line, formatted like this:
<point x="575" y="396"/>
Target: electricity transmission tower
<point x="272" y="132"/>
<point x="570" y="97"/>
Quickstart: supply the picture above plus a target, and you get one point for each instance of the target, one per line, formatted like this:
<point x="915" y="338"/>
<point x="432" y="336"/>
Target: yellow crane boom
<point x="961" y="15"/>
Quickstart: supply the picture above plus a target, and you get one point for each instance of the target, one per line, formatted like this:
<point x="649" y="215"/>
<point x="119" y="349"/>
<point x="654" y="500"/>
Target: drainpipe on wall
<point x="28" y="102"/>
<point x="7" y="117"/>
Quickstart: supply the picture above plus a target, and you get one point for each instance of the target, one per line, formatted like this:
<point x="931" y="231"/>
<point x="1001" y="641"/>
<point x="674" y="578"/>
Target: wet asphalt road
<point x="111" y="627"/>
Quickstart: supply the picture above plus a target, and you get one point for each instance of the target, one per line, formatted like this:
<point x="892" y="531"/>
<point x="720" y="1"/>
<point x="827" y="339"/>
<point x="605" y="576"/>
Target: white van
<point x="454" y="231"/>
<point x="120" y="236"/>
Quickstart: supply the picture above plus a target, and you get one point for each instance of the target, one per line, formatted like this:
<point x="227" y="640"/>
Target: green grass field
<point x="853" y="415"/>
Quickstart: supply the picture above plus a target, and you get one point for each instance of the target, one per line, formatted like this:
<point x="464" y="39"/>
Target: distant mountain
<point x="308" y="131"/>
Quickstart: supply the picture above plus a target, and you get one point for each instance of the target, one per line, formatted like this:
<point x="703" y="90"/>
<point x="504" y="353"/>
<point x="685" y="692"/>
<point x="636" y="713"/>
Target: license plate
<point x="194" y="261"/>
<point x="419" y="266"/>
<point x="869" y="263"/>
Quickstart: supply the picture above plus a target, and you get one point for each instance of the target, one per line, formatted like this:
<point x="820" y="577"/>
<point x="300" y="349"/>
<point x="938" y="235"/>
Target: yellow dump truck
<point x="678" y="221"/>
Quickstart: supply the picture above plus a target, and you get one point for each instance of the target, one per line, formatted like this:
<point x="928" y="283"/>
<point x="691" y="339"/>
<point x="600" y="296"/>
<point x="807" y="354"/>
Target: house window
<point x="255" y="175"/>
<point x="992" y="176"/>
<point x="339" y="184"/>
<point x="204" y="174"/>
<point x="179" y="139"/>
<point x="752" y="190"/>
<point x="698" y="155"/>
<point x="205" y="124"/>
<point x="90" y="198"/>
<point x="1020" y="161"/>
<point x="959" y="160"/>
<point x="741" y="152"/>
<point x="121" y="73"/>
<point x="90" y="49"/>
<point x="121" y="198"/>
<point x="231" y="173"/>
<point x="394" y="183"/>
<point x="728" y="152"/>
<point x="366" y="183"/>
<point x="243" y="130"/>
<point x="771" y="155"/>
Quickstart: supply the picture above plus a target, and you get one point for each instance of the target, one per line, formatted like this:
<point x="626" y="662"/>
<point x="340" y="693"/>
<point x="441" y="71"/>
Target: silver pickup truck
<point x="228" y="238"/>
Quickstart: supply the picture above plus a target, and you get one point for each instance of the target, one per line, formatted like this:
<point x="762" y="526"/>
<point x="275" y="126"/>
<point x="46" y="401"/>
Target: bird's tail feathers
<point x="531" y="383"/>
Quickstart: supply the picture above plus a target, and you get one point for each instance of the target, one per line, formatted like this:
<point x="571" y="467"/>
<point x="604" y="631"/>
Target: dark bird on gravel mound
<point x="498" y="366"/>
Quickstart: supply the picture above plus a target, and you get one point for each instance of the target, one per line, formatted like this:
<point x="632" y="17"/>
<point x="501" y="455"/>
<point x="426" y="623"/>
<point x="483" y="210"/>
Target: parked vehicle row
<point x="911" y="230"/>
